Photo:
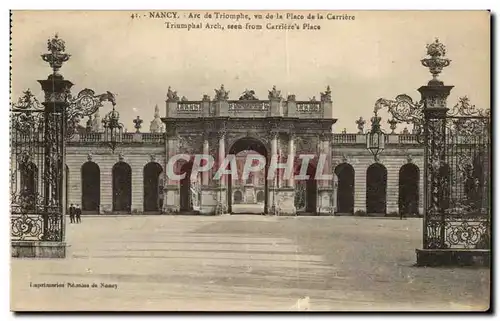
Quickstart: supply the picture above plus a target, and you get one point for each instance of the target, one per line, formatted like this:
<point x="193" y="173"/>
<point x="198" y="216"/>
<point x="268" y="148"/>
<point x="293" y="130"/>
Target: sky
<point x="376" y="55"/>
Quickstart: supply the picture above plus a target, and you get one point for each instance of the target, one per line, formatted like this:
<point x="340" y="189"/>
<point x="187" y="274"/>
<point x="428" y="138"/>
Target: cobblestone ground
<point x="245" y="263"/>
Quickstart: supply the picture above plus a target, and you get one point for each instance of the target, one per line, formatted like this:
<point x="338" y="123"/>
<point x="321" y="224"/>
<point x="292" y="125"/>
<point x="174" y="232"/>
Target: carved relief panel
<point x="306" y="144"/>
<point x="190" y="144"/>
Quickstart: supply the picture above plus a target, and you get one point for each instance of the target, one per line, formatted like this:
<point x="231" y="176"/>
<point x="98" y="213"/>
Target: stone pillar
<point x="222" y="154"/>
<point x="326" y="103"/>
<point x="171" y="202"/>
<point x="209" y="192"/>
<point x="283" y="190"/>
<point x="137" y="206"/>
<point x="205" y="177"/>
<point x="291" y="159"/>
<point x="273" y="183"/>
<point x="435" y="110"/>
<point x="291" y="105"/>
<point x="171" y="103"/>
<point x="434" y="233"/>
<point x="335" y="191"/>
<point x="221" y="207"/>
<point x="325" y="185"/>
<point x="276" y="107"/>
<point x="56" y="89"/>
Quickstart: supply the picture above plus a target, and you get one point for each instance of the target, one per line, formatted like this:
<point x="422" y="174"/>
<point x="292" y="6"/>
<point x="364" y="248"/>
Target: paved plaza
<point x="245" y="263"/>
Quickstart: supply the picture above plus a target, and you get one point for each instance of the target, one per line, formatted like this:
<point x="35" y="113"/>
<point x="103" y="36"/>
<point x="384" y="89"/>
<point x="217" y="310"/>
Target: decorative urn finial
<point x="137" y="124"/>
<point x="436" y="51"/>
<point x="56" y="56"/>
<point x="393" y="124"/>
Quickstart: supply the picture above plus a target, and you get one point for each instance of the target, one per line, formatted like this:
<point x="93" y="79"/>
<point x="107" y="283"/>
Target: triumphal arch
<point x="273" y="127"/>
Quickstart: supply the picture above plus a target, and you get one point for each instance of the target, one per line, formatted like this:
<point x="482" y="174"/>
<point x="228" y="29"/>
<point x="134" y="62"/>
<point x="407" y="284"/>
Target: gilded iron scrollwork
<point x="84" y="104"/>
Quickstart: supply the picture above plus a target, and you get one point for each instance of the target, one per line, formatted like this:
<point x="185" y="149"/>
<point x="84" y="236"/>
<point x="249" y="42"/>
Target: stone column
<point x="273" y="184"/>
<point x="221" y="207"/>
<point x="222" y="155"/>
<point x="325" y="185"/>
<point x="327" y="168"/>
<point x="291" y="156"/>
<point x="171" y="203"/>
<point x="137" y="204"/>
<point x="206" y="150"/>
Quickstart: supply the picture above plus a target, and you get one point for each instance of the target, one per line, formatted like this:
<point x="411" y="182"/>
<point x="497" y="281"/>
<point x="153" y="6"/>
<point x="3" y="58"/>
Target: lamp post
<point x="375" y="138"/>
<point x="113" y="129"/>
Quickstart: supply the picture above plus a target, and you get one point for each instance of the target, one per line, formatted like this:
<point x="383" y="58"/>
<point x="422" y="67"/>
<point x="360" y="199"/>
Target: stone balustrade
<point x="249" y="108"/>
<point x="338" y="138"/>
<point x="125" y="138"/>
<point x="352" y="139"/>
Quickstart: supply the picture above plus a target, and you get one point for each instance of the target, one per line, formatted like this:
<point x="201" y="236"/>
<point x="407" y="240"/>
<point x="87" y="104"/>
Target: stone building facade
<point x="131" y="179"/>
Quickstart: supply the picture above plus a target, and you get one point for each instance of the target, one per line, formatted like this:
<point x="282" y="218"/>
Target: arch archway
<point x="248" y="144"/>
<point x="238" y="197"/>
<point x="151" y="177"/>
<point x="91" y="186"/>
<point x="409" y="176"/>
<point x="345" y="188"/>
<point x="311" y="190"/>
<point x="122" y="187"/>
<point x="376" y="189"/>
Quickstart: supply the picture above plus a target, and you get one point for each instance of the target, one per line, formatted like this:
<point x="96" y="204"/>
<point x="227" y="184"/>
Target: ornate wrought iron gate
<point x="457" y="178"/>
<point x="38" y="134"/>
<point x="37" y="143"/>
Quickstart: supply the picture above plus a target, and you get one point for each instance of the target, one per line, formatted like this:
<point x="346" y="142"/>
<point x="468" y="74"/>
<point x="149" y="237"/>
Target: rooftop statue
<point x="248" y="95"/>
<point x="172" y="95"/>
<point x="221" y="94"/>
<point x="274" y="94"/>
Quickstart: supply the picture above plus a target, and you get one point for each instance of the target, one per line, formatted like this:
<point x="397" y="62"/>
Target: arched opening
<point x="91" y="187"/>
<point x="260" y="197"/>
<point x="376" y="189"/>
<point x="122" y="187"/>
<point x="238" y="197"/>
<point x="242" y="149"/>
<point x="306" y="190"/>
<point x="409" y="176"/>
<point x="345" y="188"/>
<point x="29" y="184"/>
<point x="151" y="176"/>
<point x="185" y="188"/>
